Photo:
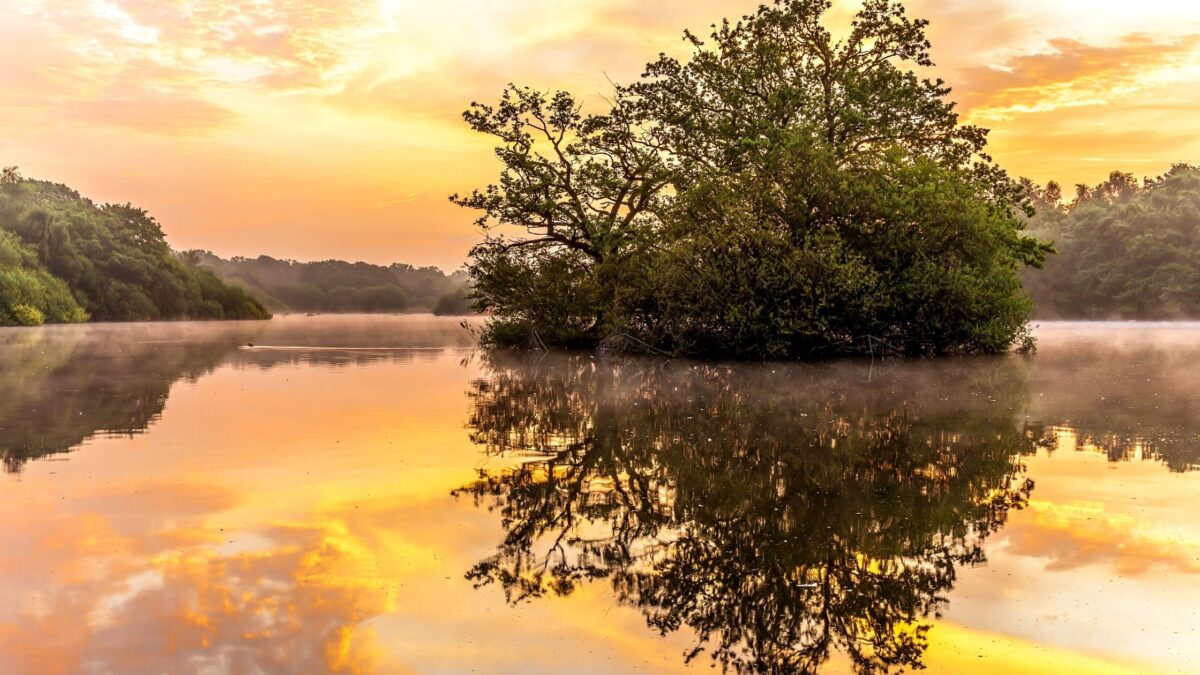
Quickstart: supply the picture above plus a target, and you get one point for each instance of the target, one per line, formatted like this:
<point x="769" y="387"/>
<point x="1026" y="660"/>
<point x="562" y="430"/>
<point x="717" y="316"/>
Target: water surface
<point x="369" y="494"/>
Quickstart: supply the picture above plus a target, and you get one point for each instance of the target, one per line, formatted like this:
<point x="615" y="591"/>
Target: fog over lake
<point x="373" y="494"/>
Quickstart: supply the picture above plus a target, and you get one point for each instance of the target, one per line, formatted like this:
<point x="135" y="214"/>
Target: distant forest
<point x="1126" y="249"/>
<point x="66" y="259"/>
<point x="339" y="286"/>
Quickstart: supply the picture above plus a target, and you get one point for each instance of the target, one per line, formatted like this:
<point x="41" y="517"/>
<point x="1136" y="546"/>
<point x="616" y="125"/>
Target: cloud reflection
<point x="119" y="595"/>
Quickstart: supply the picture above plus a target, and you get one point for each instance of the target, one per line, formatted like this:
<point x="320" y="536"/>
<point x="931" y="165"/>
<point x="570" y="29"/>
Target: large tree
<point x="582" y="188"/>
<point x="752" y="83"/>
<point x="778" y="193"/>
<point x="574" y="181"/>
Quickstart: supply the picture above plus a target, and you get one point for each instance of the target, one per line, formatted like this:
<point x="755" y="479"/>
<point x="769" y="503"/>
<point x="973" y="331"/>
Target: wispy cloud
<point x="1072" y="73"/>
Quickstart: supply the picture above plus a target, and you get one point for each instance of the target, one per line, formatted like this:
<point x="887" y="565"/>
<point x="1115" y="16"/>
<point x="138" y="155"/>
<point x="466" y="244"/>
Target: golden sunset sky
<point x="313" y="129"/>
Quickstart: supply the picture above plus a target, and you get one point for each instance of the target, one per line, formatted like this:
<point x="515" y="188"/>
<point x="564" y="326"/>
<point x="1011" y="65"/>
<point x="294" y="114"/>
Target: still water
<point x="370" y="494"/>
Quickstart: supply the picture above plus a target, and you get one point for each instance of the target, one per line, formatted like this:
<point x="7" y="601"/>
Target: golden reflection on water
<point x="178" y="502"/>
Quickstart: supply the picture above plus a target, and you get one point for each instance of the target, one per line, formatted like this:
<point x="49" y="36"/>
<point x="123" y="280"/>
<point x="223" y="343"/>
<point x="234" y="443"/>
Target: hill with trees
<point x="339" y="286"/>
<point x="64" y="258"/>
<point x="1126" y="250"/>
<point x="779" y="193"/>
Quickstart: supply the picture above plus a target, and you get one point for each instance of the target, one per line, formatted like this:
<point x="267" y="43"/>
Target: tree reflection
<point x="779" y="512"/>
<point x="66" y="384"/>
<point x="1137" y="401"/>
<point x="63" y="385"/>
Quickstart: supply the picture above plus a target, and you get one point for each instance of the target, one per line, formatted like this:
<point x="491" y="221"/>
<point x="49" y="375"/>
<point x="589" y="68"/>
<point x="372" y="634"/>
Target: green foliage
<point x="536" y="293"/>
<point x="1125" y="250"/>
<point x="335" y="285"/>
<point x="454" y="303"/>
<point x="29" y="295"/>
<point x="778" y="194"/>
<point x="813" y="258"/>
<point x="110" y="261"/>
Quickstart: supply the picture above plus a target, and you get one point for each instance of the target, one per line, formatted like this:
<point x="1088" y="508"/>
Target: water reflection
<point x="1125" y="391"/>
<point x="781" y="513"/>
<point x="145" y="583"/>
<point x="349" y="340"/>
<point x="66" y="384"/>
<point x="1178" y="455"/>
<point x="288" y="509"/>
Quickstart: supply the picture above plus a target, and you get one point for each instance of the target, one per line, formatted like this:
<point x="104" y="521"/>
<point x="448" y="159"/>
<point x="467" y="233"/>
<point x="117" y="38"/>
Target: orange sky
<point x="330" y="128"/>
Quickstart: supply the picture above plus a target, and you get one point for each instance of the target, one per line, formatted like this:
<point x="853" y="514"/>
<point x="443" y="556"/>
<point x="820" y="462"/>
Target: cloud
<point x="1073" y="110"/>
<point x="1077" y="535"/>
<point x="165" y="66"/>
<point x="293" y="112"/>
<point x="287" y="43"/>
<point x="1071" y="73"/>
<point x="154" y="112"/>
<point x="151" y="585"/>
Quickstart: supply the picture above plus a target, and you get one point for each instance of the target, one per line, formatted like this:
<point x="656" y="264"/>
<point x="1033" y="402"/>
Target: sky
<point x="331" y="129"/>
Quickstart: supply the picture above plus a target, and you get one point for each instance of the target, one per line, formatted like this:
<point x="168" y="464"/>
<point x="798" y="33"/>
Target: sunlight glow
<point x="315" y="115"/>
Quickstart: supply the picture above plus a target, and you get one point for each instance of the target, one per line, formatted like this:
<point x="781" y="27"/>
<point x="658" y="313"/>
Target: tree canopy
<point x="64" y="258"/>
<point x="779" y="193"/>
<point x="1126" y="249"/>
<point x="29" y="295"/>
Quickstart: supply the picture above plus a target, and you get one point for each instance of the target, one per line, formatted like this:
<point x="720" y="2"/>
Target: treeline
<point x="64" y="258"/>
<point x="1126" y="249"/>
<point x="339" y="286"/>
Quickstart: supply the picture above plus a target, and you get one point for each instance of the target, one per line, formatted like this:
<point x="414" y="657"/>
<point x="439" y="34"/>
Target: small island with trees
<point x="785" y="194"/>
<point x="779" y="194"/>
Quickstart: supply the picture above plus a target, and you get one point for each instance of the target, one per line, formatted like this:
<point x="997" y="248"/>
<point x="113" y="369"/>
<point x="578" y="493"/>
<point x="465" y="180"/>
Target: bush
<point x="29" y="295"/>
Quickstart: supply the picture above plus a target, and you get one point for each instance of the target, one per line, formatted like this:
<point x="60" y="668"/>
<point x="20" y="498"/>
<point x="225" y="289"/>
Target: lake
<point x="372" y="494"/>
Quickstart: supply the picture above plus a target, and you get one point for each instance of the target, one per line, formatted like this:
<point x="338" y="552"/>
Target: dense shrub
<point x="29" y="295"/>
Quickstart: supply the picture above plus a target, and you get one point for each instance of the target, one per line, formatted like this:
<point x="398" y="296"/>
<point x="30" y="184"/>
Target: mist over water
<point x="370" y="494"/>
